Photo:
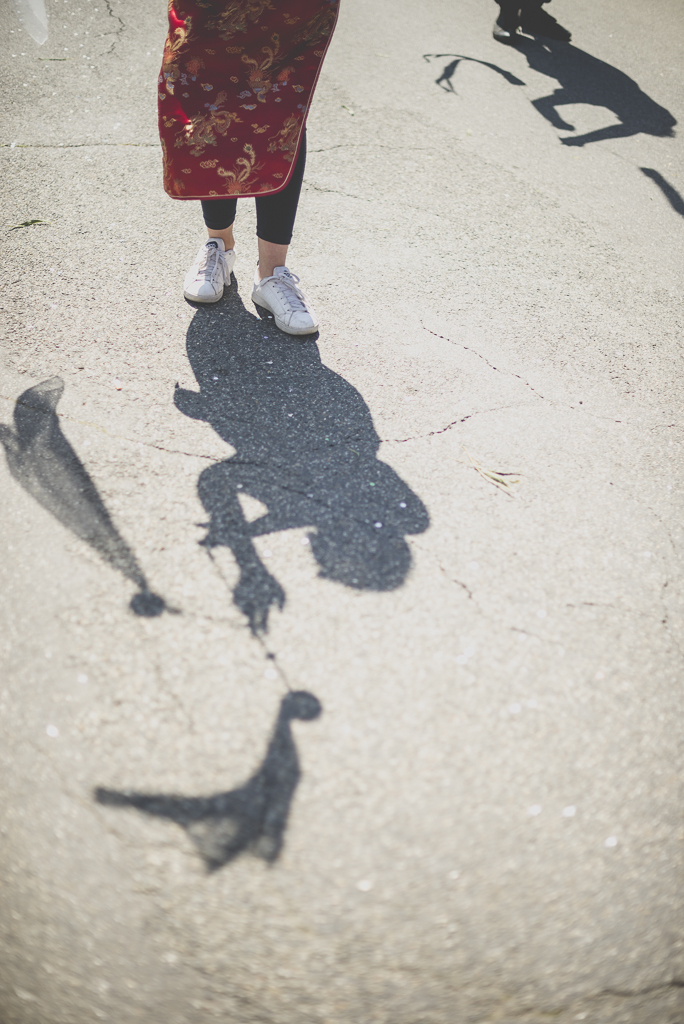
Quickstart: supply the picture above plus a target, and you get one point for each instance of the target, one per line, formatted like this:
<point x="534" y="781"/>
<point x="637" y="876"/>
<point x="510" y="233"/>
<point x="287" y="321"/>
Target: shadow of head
<point x="252" y="818"/>
<point x="305" y="447"/>
<point x="42" y="460"/>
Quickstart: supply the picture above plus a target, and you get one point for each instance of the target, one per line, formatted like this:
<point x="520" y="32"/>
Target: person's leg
<point x="275" y="287"/>
<point x="538" y="22"/>
<point x="509" y="13"/>
<point x="276" y="216"/>
<point x="219" y="217"/>
<point x="506" y="25"/>
<point x="206" y="278"/>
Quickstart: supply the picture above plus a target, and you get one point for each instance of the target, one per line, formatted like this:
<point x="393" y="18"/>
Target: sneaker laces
<point x="211" y="258"/>
<point x="290" y="293"/>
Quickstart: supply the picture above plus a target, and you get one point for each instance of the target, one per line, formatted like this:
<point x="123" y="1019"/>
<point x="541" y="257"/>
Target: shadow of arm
<point x="257" y="591"/>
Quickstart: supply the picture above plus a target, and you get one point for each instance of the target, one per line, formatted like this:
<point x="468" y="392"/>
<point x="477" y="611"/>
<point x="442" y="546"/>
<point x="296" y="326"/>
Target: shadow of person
<point x="586" y="79"/>
<point x="41" y="459"/>
<point x="251" y="818"/>
<point x="305" y="447"/>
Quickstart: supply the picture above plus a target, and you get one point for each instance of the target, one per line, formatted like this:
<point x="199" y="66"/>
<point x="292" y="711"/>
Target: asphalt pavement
<point x="341" y="678"/>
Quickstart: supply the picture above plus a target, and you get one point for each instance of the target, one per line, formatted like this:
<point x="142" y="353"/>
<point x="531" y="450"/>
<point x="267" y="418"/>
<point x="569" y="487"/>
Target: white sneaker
<point x="212" y="268"/>
<point x="283" y="297"/>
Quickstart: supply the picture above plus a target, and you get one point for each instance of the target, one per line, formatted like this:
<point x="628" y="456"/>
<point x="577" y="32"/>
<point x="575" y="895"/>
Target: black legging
<point x="275" y="214"/>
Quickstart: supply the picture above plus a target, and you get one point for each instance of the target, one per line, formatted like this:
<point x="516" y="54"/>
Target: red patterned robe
<point x="234" y="91"/>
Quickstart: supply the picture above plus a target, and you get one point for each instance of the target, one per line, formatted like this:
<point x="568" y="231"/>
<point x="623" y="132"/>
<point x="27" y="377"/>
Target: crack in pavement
<point x="551" y="401"/>
<point x="122" y="437"/>
<point x="75" y="145"/>
<point x="336" y="192"/>
<point x="632" y="993"/>
<point x="118" y="31"/>
<point x="242" y="462"/>
<point x="479" y="355"/>
<point x="443" y="430"/>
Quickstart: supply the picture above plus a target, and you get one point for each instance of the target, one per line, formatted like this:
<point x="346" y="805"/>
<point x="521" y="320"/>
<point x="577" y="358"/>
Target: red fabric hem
<point x="275" y="191"/>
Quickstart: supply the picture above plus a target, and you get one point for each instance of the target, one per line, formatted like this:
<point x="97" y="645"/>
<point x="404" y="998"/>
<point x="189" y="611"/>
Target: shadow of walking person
<point x="251" y="818"/>
<point x="582" y="79"/>
<point x="305" y="447"/>
<point x="41" y="459"/>
<point x="586" y="79"/>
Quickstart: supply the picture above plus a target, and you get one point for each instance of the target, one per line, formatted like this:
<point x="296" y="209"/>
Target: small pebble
<point x="82" y="678"/>
<point x="514" y="709"/>
<point x="53" y="731"/>
<point x="117" y="384"/>
<point x="305" y="540"/>
<point x="534" y="810"/>
<point x="270" y="673"/>
<point x="570" y="811"/>
<point x="365" y="885"/>
<point x="541" y="613"/>
<point x="611" y="841"/>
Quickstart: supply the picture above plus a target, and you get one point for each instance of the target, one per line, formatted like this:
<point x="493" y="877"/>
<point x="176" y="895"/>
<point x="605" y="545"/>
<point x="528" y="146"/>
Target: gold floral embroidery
<point x="239" y="180"/>
<point x="208" y="165"/>
<point x="259" y="79"/>
<point x="286" y="139"/>
<point x="201" y="130"/>
<point x="318" y="28"/>
<point x="175" y="41"/>
<point x="236" y="15"/>
<point x="174" y="186"/>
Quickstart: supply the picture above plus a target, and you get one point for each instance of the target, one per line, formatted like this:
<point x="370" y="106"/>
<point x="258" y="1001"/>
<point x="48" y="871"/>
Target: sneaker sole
<point x="279" y="323"/>
<point x="204" y="299"/>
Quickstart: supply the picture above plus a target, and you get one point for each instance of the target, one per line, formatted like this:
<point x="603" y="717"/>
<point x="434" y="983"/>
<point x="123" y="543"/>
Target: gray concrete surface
<point x="487" y="827"/>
